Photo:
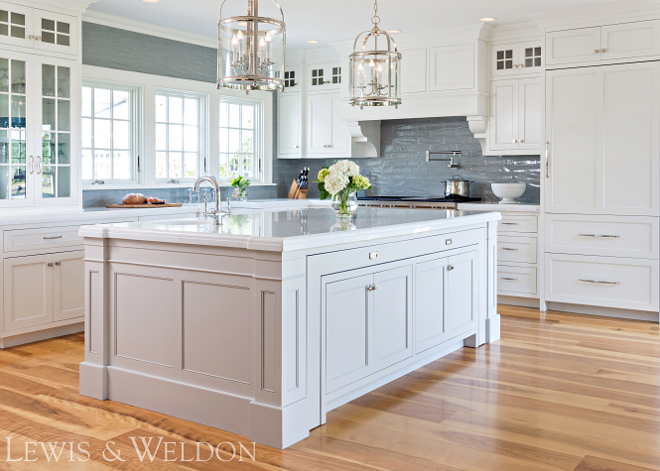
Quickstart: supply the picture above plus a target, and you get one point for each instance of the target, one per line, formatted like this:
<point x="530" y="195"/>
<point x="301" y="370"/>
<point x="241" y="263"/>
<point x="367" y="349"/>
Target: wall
<point x="402" y="169"/>
<point x="115" y="48"/>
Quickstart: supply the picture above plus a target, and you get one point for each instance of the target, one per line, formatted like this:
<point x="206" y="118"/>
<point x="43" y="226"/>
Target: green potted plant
<point x="241" y="186"/>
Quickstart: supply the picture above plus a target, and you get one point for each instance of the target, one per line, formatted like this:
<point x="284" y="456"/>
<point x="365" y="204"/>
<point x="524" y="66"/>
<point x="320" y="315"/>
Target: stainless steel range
<point x="420" y="202"/>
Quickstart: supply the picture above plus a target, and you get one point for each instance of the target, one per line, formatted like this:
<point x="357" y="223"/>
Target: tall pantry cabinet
<point x="602" y="178"/>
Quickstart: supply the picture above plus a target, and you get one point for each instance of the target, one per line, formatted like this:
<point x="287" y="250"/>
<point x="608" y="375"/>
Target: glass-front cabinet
<point x="38" y="115"/>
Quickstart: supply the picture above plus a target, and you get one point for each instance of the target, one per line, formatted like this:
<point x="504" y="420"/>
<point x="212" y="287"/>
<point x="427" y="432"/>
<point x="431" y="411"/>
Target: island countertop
<point x="282" y="231"/>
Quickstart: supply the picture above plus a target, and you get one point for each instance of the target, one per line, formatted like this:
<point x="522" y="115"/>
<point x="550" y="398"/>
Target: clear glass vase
<point x="345" y="204"/>
<point x="241" y="195"/>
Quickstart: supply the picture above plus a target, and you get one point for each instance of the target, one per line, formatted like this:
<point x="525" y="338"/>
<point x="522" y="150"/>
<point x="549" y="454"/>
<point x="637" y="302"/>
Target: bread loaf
<point x="134" y="198"/>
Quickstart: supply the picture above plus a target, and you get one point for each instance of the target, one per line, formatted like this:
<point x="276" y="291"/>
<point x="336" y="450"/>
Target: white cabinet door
<point x="641" y="39"/>
<point x="319" y="124"/>
<point x="339" y="147"/>
<point x="573" y="128"/>
<point x="69" y="286"/>
<point x="292" y="78"/>
<point x="16" y="25"/>
<point x="323" y="77"/>
<point x="28" y="291"/>
<point x="392" y="317"/>
<point x="289" y="120"/>
<point x="531" y="59"/>
<point x="530" y="113"/>
<point x="56" y="32"/>
<point x="572" y="46"/>
<point x="451" y="68"/>
<point x="413" y="71"/>
<point x="430" y="304"/>
<point x="504" y="60"/>
<point x="461" y="293"/>
<point x="503" y="123"/>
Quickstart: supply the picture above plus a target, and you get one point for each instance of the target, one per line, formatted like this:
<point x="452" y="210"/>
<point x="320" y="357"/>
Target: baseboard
<point x="605" y="311"/>
<point x="517" y="301"/>
<point x="44" y="334"/>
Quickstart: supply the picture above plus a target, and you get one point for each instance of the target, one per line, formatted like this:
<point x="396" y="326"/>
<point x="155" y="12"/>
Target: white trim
<point x="149" y="84"/>
<point x="141" y="27"/>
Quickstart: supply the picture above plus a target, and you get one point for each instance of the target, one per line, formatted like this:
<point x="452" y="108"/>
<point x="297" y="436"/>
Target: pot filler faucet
<point x="453" y="153"/>
<point x="215" y="214"/>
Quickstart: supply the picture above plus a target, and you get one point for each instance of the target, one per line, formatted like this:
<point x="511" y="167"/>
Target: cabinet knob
<point x="296" y="147"/>
<point x="448" y="241"/>
<point x="522" y="66"/>
<point x="597" y="51"/>
<point x="58" y="264"/>
<point x="50" y="265"/>
<point x="515" y="141"/>
<point x="450" y="267"/>
<point x="372" y="287"/>
<point x="521" y="141"/>
<point x="603" y="50"/>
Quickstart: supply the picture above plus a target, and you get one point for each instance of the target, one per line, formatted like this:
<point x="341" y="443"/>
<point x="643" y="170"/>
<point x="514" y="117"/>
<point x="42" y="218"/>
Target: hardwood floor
<point x="558" y="392"/>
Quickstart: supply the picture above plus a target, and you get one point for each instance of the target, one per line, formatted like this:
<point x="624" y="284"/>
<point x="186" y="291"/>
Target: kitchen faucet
<point x="453" y="154"/>
<point x="215" y="214"/>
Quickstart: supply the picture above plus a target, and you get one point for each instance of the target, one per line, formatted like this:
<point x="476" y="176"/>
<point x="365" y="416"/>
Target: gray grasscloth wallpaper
<point x="402" y="168"/>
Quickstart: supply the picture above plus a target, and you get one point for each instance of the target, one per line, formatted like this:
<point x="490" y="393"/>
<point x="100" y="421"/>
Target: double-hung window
<point x="109" y="133"/>
<point x="180" y="125"/>
<point x="241" y="138"/>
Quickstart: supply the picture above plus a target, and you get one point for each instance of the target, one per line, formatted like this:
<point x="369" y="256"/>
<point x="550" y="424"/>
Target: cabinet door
<point x="58" y="112"/>
<point x="630" y="140"/>
<point x="288" y="125"/>
<point x="69" y="286"/>
<point x="530" y="58"/>
<point x="530" y="111"/>
<point x="28" y="291"/>
<point x="17" y="130"/>
<point x="574" y="126"/>
<point x="323" y="77"/>
<point x="292" y="79"/>
<point x="503" y="124"/>
<point x="339" y="147"/>
<point x="430" y="304"/>
<point x="56" y="32"/>
<point x="16" y="25"/>
<point x="641" y="39"/>
<point x="413" y="71"/>
<point x="573" y="46"/>
<point x="347" y="330"/>
<point x="461" y="293"/>
<point x="504" y="60"/>
<point x="392" y="317"/>
<point x="319" y="123"/>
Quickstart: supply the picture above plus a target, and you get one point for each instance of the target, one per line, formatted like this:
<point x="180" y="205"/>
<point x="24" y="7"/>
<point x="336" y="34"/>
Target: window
<point x="178" y="135"/>
<point x="108" y="133"/>
<point x="241" y="125"/>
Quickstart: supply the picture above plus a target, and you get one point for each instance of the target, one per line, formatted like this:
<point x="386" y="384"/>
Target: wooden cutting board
<point x="147" y="205"/>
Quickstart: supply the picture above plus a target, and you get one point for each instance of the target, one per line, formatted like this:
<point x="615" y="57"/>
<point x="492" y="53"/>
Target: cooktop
<point x="428" y="199"/>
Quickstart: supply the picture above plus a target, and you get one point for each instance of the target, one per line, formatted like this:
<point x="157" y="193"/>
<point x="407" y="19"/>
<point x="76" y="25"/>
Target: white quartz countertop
<point x="505" y="208"/>
<point x="291" y="230"/>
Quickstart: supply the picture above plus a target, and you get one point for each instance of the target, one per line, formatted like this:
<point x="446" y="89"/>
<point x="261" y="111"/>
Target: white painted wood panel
<point x="452" y="67"/>
<point x="602" y="281"/>
<point x="28" y="291"/>
<point x="516" y="281"/>
<point x="614" y="236"/>
<point x="530" y="114"/>
<point x="630" y="40"/>
<point x="518" y="223"/>
<point x="517" y="249"/>
<point x="504" y="109"/>
<point x="17" y="240"/>
<point x="69" y="286"/>
<point x="270" y="330"/>
<point x="294" y="343"/>
<point x="572" y="46"/>
<point x="319" y="123"/>
<point x="413" y="71"/>
<point x="430" y="303"/>
<point x="461" y="293"/>
<point x="216" y="330"/>
<point x="289" y="109"/>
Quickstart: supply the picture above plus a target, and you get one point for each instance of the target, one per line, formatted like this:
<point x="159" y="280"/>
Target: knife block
<point x="296" y="193"/>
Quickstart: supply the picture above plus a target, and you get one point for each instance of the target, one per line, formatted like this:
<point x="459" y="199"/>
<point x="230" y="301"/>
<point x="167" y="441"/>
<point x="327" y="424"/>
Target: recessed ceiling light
<point x="394" y="31"/>
<point x="150" y="1"/>
<point x="312" y="42"/>
<point x="485" y="20"/>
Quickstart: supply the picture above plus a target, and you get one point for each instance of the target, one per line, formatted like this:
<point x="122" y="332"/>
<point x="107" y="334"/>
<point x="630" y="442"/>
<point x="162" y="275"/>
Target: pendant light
<point x="251" y="47"/>
<point x="375" y="78"/>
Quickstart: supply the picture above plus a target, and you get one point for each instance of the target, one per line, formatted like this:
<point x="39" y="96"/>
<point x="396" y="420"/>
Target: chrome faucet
<point x="215" y="214"/>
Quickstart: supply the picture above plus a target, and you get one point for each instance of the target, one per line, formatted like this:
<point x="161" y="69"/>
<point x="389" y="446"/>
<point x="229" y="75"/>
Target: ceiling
<point x="338" y="20"/>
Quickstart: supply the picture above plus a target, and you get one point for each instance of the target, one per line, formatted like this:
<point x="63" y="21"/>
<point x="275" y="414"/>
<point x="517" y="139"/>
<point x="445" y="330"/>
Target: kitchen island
<point x="263" y="324"/>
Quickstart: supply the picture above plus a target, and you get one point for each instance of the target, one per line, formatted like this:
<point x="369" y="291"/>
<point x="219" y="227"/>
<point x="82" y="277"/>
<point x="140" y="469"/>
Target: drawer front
<point x="18" y="240"/>
<point x="516" y="281"/>
<point x="516" y="249"/>
<point x="602" y="281"/>
<point x="613" y="236"/>
<point x="520" y="223"/>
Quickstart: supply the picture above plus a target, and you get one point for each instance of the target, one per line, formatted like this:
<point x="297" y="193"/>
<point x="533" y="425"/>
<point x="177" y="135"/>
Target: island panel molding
<point x="264" y="324"/>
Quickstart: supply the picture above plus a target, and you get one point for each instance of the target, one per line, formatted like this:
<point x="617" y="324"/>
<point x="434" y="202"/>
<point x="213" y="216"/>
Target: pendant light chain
<point x="375" y="19"/>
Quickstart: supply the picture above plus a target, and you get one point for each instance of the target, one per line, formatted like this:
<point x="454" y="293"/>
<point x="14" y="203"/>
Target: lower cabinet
<point x="41" y="289"/>
<point x="369" y="316"/>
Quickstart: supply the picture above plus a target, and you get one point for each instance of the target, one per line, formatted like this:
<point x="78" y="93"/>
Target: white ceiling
<point x="337" y="20"/>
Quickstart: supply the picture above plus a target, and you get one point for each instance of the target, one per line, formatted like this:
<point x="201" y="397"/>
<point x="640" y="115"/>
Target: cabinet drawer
<point x="521" y="223"/>
<point x="18" y="240"/>
<point x="516" y="249"/>
<point x="516" y="281"/>
<point x="602" y="281"/>
<point x="614" y="236"/>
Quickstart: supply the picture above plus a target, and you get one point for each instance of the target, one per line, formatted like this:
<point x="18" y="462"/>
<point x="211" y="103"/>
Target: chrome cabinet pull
<point x="509" y="223"/>
<point x="450" y="267"/>
<point x="547" y="160"/>
<point x="508" y="278"/>
<point x="373" y="255"/>
<point x="53" y="237"/>
<point x="511" y="249"/>
<point x="372" y="287"/>
<point x="601" y="236"/>
<point x="599" y="282"/>
<point x="448" y="241"/>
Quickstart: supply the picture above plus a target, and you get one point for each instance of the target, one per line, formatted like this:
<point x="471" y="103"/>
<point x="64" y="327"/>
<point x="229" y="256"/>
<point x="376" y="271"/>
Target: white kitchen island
<point x="264" y="324"/>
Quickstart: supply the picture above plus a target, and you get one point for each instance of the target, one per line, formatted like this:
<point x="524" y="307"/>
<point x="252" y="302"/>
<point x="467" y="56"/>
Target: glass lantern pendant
<point x="251" y="46"/>
<point x="375" y="78"/>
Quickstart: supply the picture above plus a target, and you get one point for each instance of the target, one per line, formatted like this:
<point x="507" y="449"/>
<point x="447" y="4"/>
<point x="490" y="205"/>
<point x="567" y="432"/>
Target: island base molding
<point x="20" y="339"/>
<point x="652" y="316"/>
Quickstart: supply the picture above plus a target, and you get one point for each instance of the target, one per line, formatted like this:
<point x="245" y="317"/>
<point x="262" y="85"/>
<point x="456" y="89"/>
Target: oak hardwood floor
<point x="558" y="392"/>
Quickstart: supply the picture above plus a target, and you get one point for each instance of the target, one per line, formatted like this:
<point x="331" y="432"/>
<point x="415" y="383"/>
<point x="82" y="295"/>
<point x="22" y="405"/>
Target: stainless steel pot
<point x="457" y="186"/>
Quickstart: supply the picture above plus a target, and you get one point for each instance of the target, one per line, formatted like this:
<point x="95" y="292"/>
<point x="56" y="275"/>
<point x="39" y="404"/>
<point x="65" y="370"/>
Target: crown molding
<point x="519" y="32"/>
<point x="77" y="6"/>
<point x="141" y="27"/>
<point x="625" y="11"/>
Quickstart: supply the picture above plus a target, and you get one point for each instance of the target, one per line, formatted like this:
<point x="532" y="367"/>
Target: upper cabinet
<point x="324" y="76"/>
<point x="326" y="133"/>
<point x="38" y="29"/>
<point x="517" y="59"/>
<point x="603" y="44"/>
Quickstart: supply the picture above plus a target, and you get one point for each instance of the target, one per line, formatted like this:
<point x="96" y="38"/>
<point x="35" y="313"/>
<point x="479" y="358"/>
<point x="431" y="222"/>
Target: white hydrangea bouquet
<point x="341" y="182"/>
